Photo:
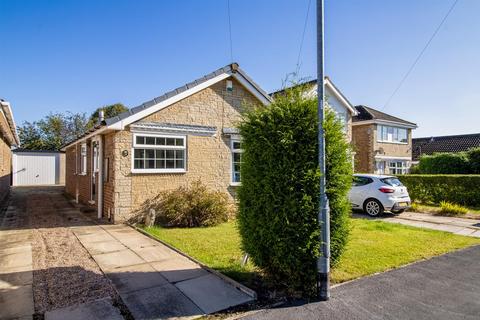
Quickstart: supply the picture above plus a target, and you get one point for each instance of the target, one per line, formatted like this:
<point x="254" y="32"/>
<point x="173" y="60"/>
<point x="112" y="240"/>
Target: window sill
<point x="392" y="142"/>
<point x="159" y="171"/>
<point x="235" y="184"/>
<point x="81" y="174"/>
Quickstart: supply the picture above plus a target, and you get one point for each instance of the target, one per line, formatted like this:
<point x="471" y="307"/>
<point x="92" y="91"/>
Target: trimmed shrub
<point x="448" y="208"/>
<point x="474" y="160"/>
<point x="444" y="163"/>
<point x="461" y="189"/>
<point x="279" y="195"/>
<point x="193" y="206"/>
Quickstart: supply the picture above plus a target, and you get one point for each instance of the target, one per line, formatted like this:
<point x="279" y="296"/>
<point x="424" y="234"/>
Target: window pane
<point x="237" y="157"/>
<point x="170" y="154"/>
<point x="160" y="154"/>
<point x="170" y="141"/>
<point x="140" y="140"/>
<point x="236" y="167"/>
<point x="236" y="177"/>
<point x="170" y="164"/>
<point x="139" y="153"/>
<point x="379" y="133"/>
<point x="160" y="141"/>
<point x="160" y="164"/>
<point x="179" y="154"/>
<point x="149" y="153"/>
<point x="236" y="145"/>
<point x="179" y="164"/>
<point x="179" y="142"/>
<point x="150" y="140"/>
<point x="149" y="164"/>
<point x="139" y="164"/>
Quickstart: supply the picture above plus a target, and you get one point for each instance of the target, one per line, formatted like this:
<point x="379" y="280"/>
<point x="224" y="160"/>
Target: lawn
<point x="374" y="246"/>
<point x="435" y="209"/>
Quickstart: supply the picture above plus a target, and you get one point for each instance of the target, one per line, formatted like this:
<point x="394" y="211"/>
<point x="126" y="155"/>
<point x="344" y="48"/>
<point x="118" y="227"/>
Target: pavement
<point x="460" y="226"/>
<point x="154" y="281"/>
<point x="444" y="287"/>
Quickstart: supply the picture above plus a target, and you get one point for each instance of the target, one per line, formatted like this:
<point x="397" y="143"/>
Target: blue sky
<point x="63" y="55"/>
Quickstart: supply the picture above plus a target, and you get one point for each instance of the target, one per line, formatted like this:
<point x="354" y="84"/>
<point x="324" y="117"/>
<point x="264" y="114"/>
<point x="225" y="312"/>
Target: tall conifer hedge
<point x="280" y="185"/>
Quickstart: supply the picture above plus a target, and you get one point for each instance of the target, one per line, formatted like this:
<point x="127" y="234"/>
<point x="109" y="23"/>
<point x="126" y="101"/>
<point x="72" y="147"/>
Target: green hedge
<point x="460" y="189"/>
<point x="467" y="162"/>
<point x="280" y="186"/>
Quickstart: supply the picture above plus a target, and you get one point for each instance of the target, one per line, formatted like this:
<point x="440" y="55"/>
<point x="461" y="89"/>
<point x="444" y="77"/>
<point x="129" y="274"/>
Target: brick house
<point x="8" y="139"/>
<point x="382" y="142"/>
<point x="173" y="140"/>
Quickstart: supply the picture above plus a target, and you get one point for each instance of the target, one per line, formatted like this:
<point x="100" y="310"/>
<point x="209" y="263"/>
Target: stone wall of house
<point x="109" y="175"/>
<point x="5" y="168"/>
<point x="363" y="140"/>
<point x="208" y="157"/>
<point x="75" y="182"/>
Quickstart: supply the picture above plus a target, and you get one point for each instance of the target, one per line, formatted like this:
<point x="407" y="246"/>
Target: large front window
<point x="236" y="160"/>
<point x="159" y="153"/>
<point x="391" y="134"/>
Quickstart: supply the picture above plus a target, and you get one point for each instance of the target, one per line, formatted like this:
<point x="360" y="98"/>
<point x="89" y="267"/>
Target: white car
<point x="378" y="193"/>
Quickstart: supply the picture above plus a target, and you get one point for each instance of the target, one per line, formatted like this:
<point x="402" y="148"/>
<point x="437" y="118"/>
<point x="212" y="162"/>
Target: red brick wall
<point x="76" y="182"/>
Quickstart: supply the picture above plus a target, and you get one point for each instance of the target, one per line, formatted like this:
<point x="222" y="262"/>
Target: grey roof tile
<point x="431" y="145"/>
<point x="366" y="113"/>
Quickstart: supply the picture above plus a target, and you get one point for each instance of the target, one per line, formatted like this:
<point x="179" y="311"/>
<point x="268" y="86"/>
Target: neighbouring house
<point x="335" y="100"/>
<point x="455" y="143"/>
<point x="185" y="135"/>
<point x="8" y="140"/>
<point x="382" y="142"/>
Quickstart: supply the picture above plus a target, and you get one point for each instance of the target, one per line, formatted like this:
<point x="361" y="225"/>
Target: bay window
<point x="158" y="153"/>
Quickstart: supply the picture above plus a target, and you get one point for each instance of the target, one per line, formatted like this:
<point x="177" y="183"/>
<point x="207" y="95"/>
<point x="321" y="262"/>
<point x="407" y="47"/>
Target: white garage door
<point x="35" y="168"/>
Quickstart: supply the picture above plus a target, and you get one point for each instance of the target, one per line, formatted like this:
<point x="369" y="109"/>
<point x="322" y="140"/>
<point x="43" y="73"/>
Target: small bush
<point x="193" y="206"/>
<point x="433" y="189"/>
<point x="414" y="207"/>
<point x="280" y="188"/>
<point x="452" y="209"/>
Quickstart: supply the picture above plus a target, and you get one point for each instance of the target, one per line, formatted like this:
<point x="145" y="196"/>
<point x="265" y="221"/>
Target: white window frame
<point x="403" y="168"/>
<point x="232" y="152"/>
<point x="135" y="145"/>
<point x="83" y="159"/>
<point x="390" y="137"/>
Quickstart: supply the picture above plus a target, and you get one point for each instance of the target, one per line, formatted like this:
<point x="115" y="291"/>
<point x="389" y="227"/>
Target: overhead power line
<point x="303" y="38"/>
<point x="420" y="55"/>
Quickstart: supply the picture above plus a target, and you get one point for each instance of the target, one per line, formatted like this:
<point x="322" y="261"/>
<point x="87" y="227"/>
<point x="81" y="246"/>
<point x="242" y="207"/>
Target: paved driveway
<point x="460" y="226"/>
<point x="445" y="287"/>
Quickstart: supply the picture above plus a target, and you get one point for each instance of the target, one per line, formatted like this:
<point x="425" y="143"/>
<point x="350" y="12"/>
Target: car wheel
<point x="398" y="211"/>
<point x="373" y="207"/>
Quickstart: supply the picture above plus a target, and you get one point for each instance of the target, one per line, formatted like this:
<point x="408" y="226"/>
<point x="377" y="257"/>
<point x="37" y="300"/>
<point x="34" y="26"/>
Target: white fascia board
<point x="120" y="125"/>
<point x="392" y="158"/>
<point x="340" y="97"/>
<point x="6" y="104"/>
<point x="244" y="82"/>
<point x="385" y="122"/>
<point x="88" y="136"/>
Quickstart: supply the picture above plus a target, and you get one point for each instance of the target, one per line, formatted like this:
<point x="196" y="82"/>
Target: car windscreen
<point x="392" y="181"/>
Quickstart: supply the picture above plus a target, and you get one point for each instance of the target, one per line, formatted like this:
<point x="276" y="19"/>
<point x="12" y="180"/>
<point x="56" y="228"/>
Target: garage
<point x="31" y="168"/>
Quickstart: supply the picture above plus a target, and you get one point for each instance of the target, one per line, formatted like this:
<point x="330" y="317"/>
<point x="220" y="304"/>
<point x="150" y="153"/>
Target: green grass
<point x="374" y="246"/>
<point x="436" y="209"/>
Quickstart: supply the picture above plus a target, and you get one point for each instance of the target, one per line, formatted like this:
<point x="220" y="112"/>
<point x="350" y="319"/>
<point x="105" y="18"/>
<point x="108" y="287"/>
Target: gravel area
<point x="64" y="274"/>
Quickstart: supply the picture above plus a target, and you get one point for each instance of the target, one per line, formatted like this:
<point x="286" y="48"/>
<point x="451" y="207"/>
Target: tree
<point x="109" y="112"/>
<point x="279" y="195"/>
<point x="52" y="132"/>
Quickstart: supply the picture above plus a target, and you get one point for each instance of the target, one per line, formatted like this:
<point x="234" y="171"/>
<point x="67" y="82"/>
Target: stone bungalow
<point x="8" y="139"/>
<point x="182" y="136"/>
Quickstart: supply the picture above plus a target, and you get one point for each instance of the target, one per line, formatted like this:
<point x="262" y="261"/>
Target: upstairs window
<point x="391" y="134"/>
<point x="159" y="153"/>
<point x="236" y="148"/>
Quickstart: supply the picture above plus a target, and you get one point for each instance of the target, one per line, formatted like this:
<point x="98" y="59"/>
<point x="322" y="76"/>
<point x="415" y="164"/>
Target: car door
<point x="359" y="191"/>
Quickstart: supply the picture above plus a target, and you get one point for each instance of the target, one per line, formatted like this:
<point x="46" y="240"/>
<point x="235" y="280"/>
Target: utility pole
<point x="323" y="262"/>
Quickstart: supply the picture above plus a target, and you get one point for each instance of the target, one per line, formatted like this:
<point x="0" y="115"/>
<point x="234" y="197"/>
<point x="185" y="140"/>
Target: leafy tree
<point x="109" y="111"/>
<point x="53" y="131"/>
<point x="279" y="195"/>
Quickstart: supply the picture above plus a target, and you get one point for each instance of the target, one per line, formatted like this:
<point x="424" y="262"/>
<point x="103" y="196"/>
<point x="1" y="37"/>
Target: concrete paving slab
<point x="16" y="302"/>
<point x="179" y="269"/>
<point x="95" y="248"/>
<point x="14" y="260"/>
<point x="211" y="293"/>
<point x="476" y="234"/>
<point x="156" y="253"/>
<point x="465" y="232"/>
<point x="100" y="309"/>
<point x="100" y="236"/>
<point x="163" y="302"/>
<point x="15" y="279"/>
<point x="135" y="240"/>
<point x="132" y="278"/>
<point x="118" y="259"/>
